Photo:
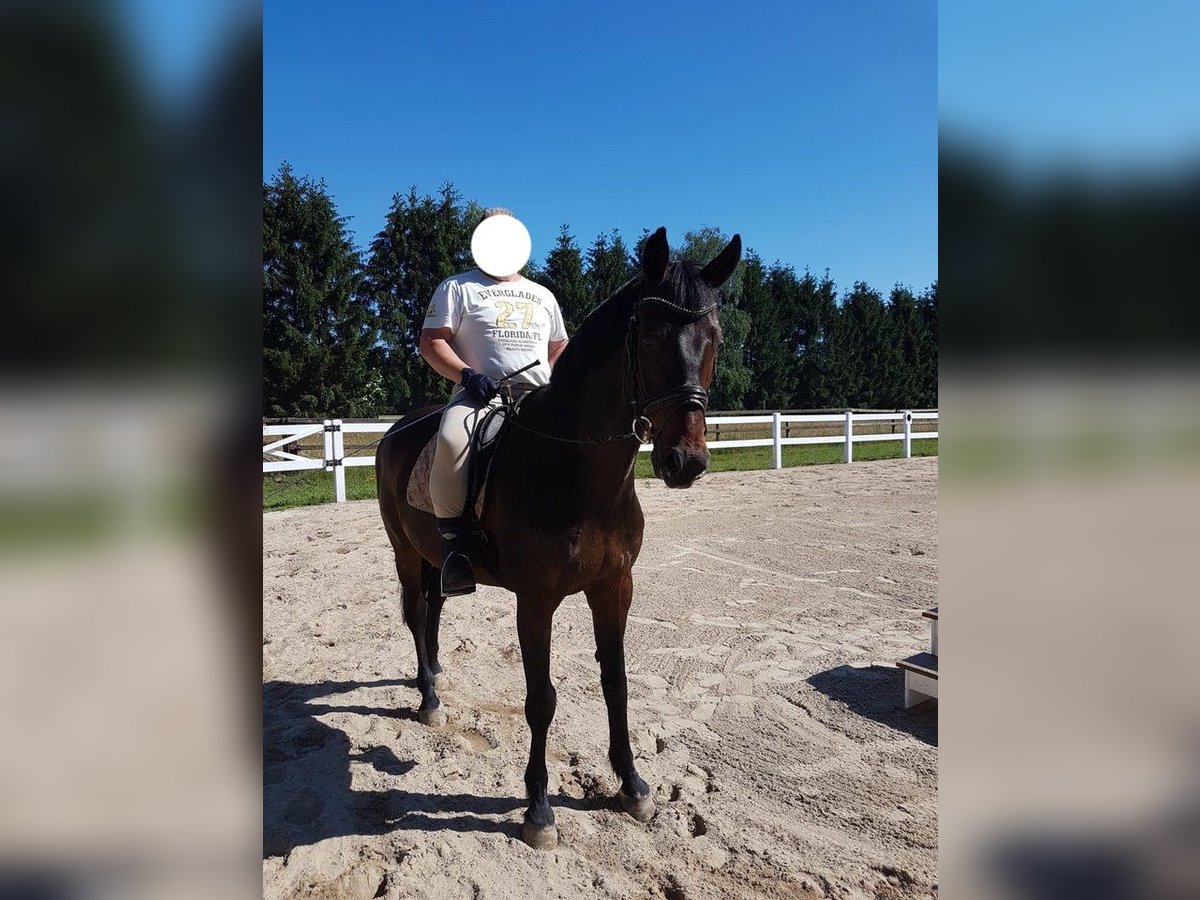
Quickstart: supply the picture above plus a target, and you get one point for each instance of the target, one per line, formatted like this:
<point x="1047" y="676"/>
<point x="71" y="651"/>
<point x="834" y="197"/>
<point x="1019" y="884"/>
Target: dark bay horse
<point x="561" y="513"/>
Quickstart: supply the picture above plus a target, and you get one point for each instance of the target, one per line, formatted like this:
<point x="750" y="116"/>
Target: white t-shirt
<point x="499" y="326"/>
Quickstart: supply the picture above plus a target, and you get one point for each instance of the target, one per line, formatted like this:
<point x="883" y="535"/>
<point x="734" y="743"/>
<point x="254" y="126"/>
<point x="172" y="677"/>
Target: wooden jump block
<point x="920" y="678"/>
<point x="932" y="616"/>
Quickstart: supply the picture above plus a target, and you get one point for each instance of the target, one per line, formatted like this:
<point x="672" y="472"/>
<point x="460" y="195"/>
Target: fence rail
<point x="335" y="460"/>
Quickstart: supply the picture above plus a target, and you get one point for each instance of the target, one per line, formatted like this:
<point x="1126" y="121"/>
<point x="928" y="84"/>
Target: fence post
<point x="339" y="465"/>
<point x="776" y="435"/>
<point x="848" y="452"/>
<point x="327" y="455"/>
<point x="907" y="434"/>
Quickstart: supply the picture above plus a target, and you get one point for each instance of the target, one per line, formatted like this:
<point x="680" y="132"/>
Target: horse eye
<point x="652" y="334"/>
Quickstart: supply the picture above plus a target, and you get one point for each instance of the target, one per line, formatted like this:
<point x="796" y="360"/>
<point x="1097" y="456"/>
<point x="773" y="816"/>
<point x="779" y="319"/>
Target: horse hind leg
<point x="533" y="629"/>
<point x="431" y="587"/>
<point x="418" y="618"/>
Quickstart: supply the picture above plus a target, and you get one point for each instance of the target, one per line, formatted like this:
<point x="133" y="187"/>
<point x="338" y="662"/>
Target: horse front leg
<point x="610" y="602"/>
<point x="534" y="618"/>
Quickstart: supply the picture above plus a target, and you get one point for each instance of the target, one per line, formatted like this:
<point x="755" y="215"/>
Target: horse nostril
<point x="673" y="463"/>
<point x="695" y="466"/>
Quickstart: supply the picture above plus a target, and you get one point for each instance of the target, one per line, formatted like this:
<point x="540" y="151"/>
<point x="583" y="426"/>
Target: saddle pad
<point x="418" y="482"/>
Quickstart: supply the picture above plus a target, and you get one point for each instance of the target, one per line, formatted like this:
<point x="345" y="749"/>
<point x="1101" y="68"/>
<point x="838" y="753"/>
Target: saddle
<point x="484" y="441"/>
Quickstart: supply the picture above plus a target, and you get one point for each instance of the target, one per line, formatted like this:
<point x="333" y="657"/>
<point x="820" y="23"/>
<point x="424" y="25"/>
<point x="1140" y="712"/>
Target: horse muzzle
<point x="681" y="469"/>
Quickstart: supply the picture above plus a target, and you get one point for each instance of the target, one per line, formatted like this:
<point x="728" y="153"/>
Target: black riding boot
<point x="457" y="575"/>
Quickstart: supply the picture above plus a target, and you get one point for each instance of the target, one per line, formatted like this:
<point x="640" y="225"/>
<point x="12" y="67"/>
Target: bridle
<point x="674" y="399"/>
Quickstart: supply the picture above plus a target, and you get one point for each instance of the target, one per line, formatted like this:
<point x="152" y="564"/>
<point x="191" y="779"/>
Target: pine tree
<point x="815" y="320"/>
<point x="908" y="336"/>
<point x="563" y="275"/>
<point x="928" y="380"/>
<point x="822" y="365"/>
<point x="608" y="267"/>
<point x="318" y="331"/>
<point x="868" y="354"/>
<point x="771" y="297"/>
<point x="424" y="241"/>
<point x="755" y="301"/>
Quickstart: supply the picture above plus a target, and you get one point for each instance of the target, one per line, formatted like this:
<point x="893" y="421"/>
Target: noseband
<point x="673" y="400"/>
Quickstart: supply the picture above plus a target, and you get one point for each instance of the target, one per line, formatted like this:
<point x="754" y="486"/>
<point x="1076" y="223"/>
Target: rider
<point x="480" y="327"/>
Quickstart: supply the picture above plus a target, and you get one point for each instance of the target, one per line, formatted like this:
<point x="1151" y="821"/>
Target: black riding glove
<point x="478" y="386"/>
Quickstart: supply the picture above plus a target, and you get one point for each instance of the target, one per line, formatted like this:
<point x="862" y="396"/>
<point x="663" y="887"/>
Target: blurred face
<point x="500" y="246"/>
<point x="672" y="352"/>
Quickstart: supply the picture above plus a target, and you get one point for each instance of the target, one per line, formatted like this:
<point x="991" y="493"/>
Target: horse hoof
<point x="543" y="837"/>
<point x="641" y="808"/>
<point x="434" y="718"/>
<point x="441" y="682"/>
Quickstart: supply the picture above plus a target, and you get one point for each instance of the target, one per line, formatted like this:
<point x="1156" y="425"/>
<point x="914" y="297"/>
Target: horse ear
<point x="655" y="255"/>
<point x="717" y="272"/>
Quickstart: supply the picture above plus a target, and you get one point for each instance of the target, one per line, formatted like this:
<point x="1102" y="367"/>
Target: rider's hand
<point x="478" y="386"/>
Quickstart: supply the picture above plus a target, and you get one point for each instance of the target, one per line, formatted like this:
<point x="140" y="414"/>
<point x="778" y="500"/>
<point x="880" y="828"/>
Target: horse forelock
<point x="687" y="286"/>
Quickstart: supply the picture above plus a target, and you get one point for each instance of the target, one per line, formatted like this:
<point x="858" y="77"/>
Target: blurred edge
<point x="1069" y="739"/>
<point x="129" y="521"/>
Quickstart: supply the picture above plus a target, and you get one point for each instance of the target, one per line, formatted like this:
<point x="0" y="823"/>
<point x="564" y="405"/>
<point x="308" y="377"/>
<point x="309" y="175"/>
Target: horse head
<point x="674" y="336"/>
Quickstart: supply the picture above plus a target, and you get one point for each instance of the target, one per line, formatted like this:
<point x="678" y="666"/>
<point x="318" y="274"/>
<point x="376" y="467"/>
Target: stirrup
<point x="458" y="576"/>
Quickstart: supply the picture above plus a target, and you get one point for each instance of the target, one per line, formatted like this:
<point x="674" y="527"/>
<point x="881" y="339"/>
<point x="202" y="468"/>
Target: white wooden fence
<point x="335" y="460"/>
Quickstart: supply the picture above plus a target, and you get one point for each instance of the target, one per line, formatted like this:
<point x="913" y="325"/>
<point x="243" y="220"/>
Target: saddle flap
<point x="417" y="494"/>
<point x="478" y="465"/>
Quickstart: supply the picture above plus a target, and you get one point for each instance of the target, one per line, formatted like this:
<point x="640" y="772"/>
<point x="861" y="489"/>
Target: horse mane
<point x="603" y="330"/>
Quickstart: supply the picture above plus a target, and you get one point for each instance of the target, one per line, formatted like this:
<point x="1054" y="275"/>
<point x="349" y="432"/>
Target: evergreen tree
<point x="771" y="298"/>
<point x="831" y="387"/>
<point x="928" y="379"/>
<point x="753" y="301"/>
<point x="813" y="338"/>
<point x="638" y="246"/>
<point x="908" y="335"/>
<point x="608" y="267"/>
<point x="563" y="275"/>
<point x="318" y="332"/>
<point x="868" y="354"/>
<point x="424" y="241"/>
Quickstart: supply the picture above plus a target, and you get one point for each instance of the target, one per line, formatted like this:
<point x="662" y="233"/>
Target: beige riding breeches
<point x="448" y="478"/>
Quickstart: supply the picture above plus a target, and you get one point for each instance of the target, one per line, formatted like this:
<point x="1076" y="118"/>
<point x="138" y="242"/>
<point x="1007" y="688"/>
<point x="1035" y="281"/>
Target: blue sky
<point x="809" y="127"/>
<point x="1100" y="87"/>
